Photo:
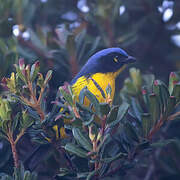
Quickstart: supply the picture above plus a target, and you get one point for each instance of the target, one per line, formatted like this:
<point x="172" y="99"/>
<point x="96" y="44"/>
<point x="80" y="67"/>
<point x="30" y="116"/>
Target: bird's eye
<point x="116" y="59"/>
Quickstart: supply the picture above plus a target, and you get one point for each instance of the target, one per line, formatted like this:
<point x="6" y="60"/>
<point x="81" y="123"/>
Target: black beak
<point x="131" y="59"/>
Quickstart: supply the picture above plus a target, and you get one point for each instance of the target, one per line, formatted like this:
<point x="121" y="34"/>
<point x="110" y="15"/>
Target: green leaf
<point x="20" y="74"/>
<point x="136" y="78"/>
<point x="82" y="175"/>
<point x="131" y="131"/>
<point x="81" y="139"/>
<point x="136" y="108"/>
<point x="154" y="108"/>
<point x="5" y="125"/>
<point x="123" y="109"/>
<point x="85" y="92"/>
<point x="142" y="146"/>
<point x="91" y="120"/>
<point x="74" y="149"/>
<point x="34" y="71"/>
<point x="15" y="121"/>
<point x="176" y="91"/>
<point x="26" y="121"/>
<point x="162" y="93"/>
<point x="113" y="114"/>
<point x="48" y="77"/>
<point x="82" y="95"/>
<point x="76" y="122"/>
<point x="64" y="172"/>
<point x="163" y="143"/>
<point x="173" y="79"/>
<point x="148" y="79"/>
<point x="66" y="96"/>
<point x="109" y="160"/>
<point x="171" y="105"/>
<point x="146" y="123"/>
<point x="129" y="86"/>
<point x="104" y="108"/>
<point x="145" y="96"/>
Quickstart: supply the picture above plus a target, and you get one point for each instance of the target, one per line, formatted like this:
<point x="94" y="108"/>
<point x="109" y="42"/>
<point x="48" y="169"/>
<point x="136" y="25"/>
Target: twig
<point x="13" y="148"/>
<point x="173" y="116"/>
<point x="36" y="104"/>
<point x="155" y="128"/>
<point x="19" y="136"/>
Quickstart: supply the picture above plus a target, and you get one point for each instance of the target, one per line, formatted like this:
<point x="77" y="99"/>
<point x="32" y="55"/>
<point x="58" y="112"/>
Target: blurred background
<point x="63" y="34"/>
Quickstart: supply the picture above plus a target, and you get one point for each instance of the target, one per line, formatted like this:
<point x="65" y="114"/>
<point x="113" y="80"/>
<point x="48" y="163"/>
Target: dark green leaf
<point x="176" y="91"/>
<point x="76" y="122"/>
<point x="81" y="139"/>
<point x="48" y="77"/>
<point x="121" y="113"/>
<point x="34" y="71"/>
<point x="91" y="120"/>
<point x="64" y="172"/>
<point x="109" y="160"/>
<point x="113" y="114"/>
<point x="104" y="108"/>
<point x="15" y="121"/>
<point x="136" y="108"/>
<point x="74" y="149"/>
<point x="146" y="123"/>
<point x="173" y="78"/>
<point x="163" y="143"/>
<point x="82" y="175"/>
<point x="66" y="96"/>
<point x="149" y="79"/>
<point x="154" y="108"/>
<point x="131" y="131"/>
<point x="19" y="73"/>
<point x="85" y="92"/>
<point x="171" y="105"/>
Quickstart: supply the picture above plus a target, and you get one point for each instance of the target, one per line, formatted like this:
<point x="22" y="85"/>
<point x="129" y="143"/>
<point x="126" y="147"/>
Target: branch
<point x="13" y="148"/>
<point x="173" y="116"/>
<point x="19" y="136"/>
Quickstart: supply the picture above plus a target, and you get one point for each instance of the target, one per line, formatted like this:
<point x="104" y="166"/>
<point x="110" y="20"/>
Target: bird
<point x="101" y="70"/>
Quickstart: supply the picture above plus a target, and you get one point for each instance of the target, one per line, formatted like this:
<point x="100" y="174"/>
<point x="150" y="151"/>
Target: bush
<point x="103" y="140"/>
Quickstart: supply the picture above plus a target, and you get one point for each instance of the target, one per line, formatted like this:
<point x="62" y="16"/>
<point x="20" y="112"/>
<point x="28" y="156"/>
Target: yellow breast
<point x="102" y="79"/>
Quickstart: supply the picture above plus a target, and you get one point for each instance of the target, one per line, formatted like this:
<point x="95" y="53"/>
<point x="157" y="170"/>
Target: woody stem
<point x="36" y="102"/>
<point x="13" y="148"/>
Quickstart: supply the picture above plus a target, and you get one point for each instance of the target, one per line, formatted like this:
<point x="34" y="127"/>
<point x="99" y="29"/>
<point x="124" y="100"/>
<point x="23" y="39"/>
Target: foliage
<point x="106" y="138"/>
<point x="19" y="173"/>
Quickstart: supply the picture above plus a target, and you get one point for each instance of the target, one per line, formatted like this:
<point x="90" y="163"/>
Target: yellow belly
<point x="103" y="80"/>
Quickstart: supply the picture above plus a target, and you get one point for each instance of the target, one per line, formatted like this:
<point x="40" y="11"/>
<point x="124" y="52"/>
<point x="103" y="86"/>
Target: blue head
<point x="104" y="61"/>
